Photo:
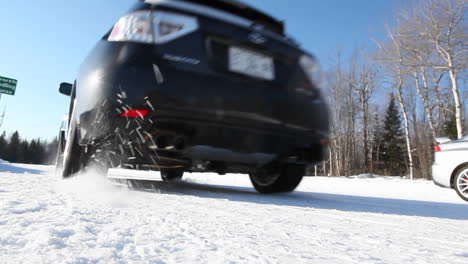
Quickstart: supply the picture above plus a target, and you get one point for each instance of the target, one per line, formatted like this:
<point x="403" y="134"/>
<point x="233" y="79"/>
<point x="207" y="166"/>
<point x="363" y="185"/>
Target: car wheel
<point x="72" y="154"/>
<point x="171" y="175"/>
<point x="285" y="179"/>
<point x="71" y="157"/>
<point x="461" y="182"/>
<point x="59" y="155"/>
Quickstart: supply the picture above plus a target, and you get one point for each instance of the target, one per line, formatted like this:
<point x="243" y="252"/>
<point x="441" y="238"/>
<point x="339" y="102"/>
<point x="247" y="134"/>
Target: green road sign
<point x="7" y="85"/>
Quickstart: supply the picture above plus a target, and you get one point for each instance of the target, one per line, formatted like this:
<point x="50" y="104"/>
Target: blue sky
<point x="43" y="43"/>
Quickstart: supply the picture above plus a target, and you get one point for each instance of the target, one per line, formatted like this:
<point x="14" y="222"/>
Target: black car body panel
<point x="200" y="111"/>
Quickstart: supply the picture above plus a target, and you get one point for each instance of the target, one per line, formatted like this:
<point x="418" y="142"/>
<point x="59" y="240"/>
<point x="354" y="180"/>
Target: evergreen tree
<point x="37" y="151"/>
<point x="31" y="151"/>
<point x="24" y="155"/>
<point x="450" y="127"/>
<point x="25" y="151"/>
<point x="40" y="153"/>
<point x="13" y="148"/>
<point x="392" y="145"/>
<point x="3" y="145"/>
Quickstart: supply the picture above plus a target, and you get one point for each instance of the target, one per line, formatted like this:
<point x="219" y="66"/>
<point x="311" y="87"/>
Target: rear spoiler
<point x="442" y="140"/>
<point x="240" y="9"/>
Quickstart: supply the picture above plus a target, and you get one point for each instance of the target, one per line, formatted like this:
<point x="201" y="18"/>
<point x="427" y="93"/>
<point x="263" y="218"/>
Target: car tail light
<point x="437" y="148"/>
<point x="135" y="27"/>
<point x="152" y="27"/>
<point x="135" y="113"/>
<point x="169" y="26"/>
<point x="310" y="67"/>
<point x="324" y="142"/>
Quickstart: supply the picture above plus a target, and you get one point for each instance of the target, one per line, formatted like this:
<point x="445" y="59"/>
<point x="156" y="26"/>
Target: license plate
<point x="251" y="63"/>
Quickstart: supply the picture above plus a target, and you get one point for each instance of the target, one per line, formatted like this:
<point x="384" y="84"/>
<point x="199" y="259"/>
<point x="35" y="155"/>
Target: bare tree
<point x="362" y="81"/>
<point x="424" y="94"/>
<point x="343" y="120"/>
<point x="441" y="23"/>
<point x="442" y="111"/>
<point x="425" y="60"/>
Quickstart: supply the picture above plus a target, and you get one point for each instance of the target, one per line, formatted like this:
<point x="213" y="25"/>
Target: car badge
<point x="257" y="38"/>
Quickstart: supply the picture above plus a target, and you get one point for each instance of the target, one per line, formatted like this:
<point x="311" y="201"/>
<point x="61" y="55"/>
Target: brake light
<point x="135" y="113"/>
<point x="135" y="27"/>
<point x="152" y="27"/>
<point x="437" y="148"/>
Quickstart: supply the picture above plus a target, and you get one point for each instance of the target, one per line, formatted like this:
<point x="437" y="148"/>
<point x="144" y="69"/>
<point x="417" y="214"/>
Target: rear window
<point x="243" y="10"/>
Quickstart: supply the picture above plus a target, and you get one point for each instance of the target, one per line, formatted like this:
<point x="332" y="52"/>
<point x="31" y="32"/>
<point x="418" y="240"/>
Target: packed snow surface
<point x="221" y="219"/>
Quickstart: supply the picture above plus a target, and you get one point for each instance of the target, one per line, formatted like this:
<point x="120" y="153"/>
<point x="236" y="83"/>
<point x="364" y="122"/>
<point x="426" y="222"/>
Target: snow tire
<point x="72" y="157"/>
<point x="59" y="155"/>
<point x="72" y="154"/>
<point x="285" y="179"/>
<point x="171" y="175"/>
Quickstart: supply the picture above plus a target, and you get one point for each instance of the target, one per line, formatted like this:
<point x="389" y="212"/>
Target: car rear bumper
<point x="441" y="175"/>
<point x="168" y="139"/>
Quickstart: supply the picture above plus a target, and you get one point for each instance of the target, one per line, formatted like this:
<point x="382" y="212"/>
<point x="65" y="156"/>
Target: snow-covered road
<point x="220" y="219"/>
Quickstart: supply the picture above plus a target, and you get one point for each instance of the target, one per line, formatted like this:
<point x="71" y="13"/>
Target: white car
<point x="450" y="168"/>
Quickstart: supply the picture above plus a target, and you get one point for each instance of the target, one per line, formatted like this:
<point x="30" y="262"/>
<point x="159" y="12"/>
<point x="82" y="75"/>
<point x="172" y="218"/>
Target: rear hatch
<point x="237" y="90"/>
<point x="241" y="41"/>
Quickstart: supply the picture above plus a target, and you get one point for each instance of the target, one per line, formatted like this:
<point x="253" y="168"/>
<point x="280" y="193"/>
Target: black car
<point x="197" y="86"/>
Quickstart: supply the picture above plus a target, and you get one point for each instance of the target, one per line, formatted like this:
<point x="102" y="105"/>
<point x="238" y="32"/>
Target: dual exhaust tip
<point x="168" y="142"/>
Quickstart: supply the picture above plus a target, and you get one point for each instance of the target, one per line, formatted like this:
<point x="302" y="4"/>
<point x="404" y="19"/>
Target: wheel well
<point x="455" y="171"/>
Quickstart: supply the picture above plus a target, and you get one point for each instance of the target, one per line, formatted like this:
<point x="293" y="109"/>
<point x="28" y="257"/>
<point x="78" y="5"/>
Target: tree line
<point x="390" y="103"/>
<point x="36" y="151"/>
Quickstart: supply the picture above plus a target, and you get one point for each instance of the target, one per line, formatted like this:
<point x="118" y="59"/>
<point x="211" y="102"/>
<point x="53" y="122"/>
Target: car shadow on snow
<point x="315" y="200"/>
